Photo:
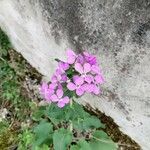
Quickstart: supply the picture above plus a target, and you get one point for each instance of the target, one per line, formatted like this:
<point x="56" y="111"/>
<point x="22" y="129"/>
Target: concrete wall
<point x="117" y="31"/>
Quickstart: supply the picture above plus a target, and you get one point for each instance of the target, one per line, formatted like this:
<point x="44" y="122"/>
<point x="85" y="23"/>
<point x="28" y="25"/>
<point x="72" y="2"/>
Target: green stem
<point x="71" y="126"/>
<point x="71" y="103"/>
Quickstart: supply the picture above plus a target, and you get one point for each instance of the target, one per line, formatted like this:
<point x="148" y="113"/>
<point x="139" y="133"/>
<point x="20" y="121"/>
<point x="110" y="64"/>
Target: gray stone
<point x="117" y="31"/>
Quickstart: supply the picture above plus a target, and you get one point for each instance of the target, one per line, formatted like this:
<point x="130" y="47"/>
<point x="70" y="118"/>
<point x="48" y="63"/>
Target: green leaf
<point x="43" y="147"/>
<point x="42" y="133"/>
<point x="102" y="146"/>
<point x="88" y="123"/>
<point x="55" y="114"/>
<point x="101" y="134"/>
<point x="101" y="141"/>
<point x="76" y="112"/>
<point x="38" y="114"/>
<point x="25" y="139"/>
<point x="62" y="138"/>
<point x="81" y="145"/>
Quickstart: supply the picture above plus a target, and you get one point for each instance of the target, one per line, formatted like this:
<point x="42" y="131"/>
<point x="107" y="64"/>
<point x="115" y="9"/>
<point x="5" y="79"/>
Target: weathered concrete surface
<point x="117" y="31"/>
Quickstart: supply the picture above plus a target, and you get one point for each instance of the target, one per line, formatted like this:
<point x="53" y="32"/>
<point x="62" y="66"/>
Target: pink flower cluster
<point x="81" y="73"/>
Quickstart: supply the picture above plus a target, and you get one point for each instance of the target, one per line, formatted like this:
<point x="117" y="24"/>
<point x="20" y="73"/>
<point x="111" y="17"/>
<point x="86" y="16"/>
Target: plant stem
<point x="71" y="126"/>
<point x="71" y="103"/>
<point x="2" y="59"/>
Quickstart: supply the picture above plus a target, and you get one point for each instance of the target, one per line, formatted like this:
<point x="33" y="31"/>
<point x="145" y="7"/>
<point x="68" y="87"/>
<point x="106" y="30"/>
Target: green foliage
<point x="54" y="128"/>
<point x="43" y="133"/>
<point x="81" y="145"/>
<point x="3" y="126"/>
<point x="87" y="123"/>
<point x="102" y="141"/>
<point x="43" y="147"/>
<point x="67" y="121"/>
<point x="4" y="44"/>
<point x="25" y="139"/>
<point x="55" y="114"/>
<point x="11" y="98"/>
<point x="62" y="138"/>
<point x="99" y="141"/>
<point x="38" y="113"/>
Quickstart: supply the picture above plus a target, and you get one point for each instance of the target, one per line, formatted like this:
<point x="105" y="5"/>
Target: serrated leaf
<point x="81" y="145"/>
<point x="102" y="146"/>
<point x="88" y="123"/>
<point x="42" y="132"/>
<point x="37" y="115"/>
<point x="62" y="138"/>
<point x="76" y="112"/>
<point x="55" y="114"/>
<point x="43" y="147"/>
<point x="102" y="141"/>
<point x="101" y="134"/>
<point x="74" y="147"/>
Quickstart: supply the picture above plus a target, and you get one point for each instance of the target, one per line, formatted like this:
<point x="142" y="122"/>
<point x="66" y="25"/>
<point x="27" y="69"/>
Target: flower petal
<point x="70" y="52"/>
<point x="63" y="65"/>
<point x="93" y="60"/>
<point x="50" y="91"/>
<point x="75" y="77"/>
<point x="79" y="80"/>
<point x="96" y="90"/>
<point x="79" y="68"/>
<point x="59" y="93"/>
<point x="65" y="100"/>
<point x="99" y="79"/>
<point x="60" y="104"/>
<point x="88" y="78"/>
<point x="52" y="86"/>
<point x="59" y="86"/>
<point x="64" y="77"/>
<point x="71" y="59"/>
<point x="53" y="79"/>
<point x="71" y="86"/>
<point x="88" y="88"/>
<point x="85" y="87"/>
<point x="86" y="54"/>
<point x="58" y="72"/>
<point x="54" y="98"/>
<point x="87" y="67"/>
<point x="71" y="56"/>
<point x="80" y="59"/>
<point x="95" y="69"/>
<point x="47" y="96"/>
<point x="43" y="87"/>
<point x="79" y="91"/>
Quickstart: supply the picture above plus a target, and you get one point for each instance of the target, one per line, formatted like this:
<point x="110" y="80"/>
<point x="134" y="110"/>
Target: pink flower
<point x="58" y="97"/>
<point x="91" y="59"/>
<point x="95" y="69"/>
<point x="96" y="89"/>
<point x="59" y="76"/>
<point x="71" y="56"/>
<point x="81" y="71"/>
<point x="92" y="88"/>
<point x="77" y="86"/>
<point x="99" y="79"/>
<point x="63" y="66"/>
<point x="80" y="59"/>
<point x="84" y="70"/>
<point x="88" y="87"/>
<point x="46" y="91"/>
